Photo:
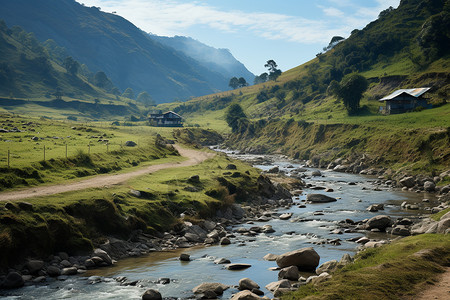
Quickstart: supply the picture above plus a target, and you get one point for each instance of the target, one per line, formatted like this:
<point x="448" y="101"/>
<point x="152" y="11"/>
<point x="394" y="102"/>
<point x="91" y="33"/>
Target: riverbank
<point x="246" y="231"/>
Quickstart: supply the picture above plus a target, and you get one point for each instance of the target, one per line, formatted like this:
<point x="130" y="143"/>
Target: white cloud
<point x="173" y="17"/>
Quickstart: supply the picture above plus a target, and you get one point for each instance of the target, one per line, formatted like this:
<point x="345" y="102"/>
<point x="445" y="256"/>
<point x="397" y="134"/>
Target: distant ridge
<point x="109" y="43"/>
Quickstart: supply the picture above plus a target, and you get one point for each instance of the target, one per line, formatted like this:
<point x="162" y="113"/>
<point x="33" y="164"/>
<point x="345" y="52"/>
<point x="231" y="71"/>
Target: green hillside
<point x="297" y="114"/>
<point x="109" y="43"/>
<point x="35" y="81"/>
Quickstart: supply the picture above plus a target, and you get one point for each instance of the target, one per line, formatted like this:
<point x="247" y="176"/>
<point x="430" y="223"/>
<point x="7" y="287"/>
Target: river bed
<point x="308" y="225"/>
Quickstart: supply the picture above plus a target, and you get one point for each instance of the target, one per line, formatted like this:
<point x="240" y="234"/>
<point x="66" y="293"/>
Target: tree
<point x="234" y="83"/>
<point x="242" y="82"/>
<point x="129" y="93"/>
<point x="273" y="71"/>
<point x="236" y="118"/>
<point x="145" y="98"/>
<point x="261" y="78"/>
<point x="101" y="80"/>
<point x="71" y="65"/>
<point x="350" y="91"/>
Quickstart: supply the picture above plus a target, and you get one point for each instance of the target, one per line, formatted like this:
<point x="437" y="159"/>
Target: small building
<point x="404" y="100"/>
<point x="167" y="119"/>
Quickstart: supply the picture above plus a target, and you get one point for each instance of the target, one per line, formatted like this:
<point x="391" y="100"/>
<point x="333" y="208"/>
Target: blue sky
<point x="291" y="32"/>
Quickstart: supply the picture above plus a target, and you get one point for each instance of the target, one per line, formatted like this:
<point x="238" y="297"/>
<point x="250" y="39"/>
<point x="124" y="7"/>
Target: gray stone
<point x="319" y="198"/>
<point x="221" y="261"/>
<point x="225" y="241"/>
<point x="328" y="267"/>
<point x="237" y="266"/>
<point x="408" y="182"/>
<point x="69" y="271"/>
<point x="380" y="222"/>
<point x="245" y="295"/>
<point x="151" y="295"/>
<point x="316" y="173"/>
<point x="35" y="266"/>
<point x="53" y="271"/>
<point x="185" y="257"/>
<point x="306" y="259"/>
<point x="285" y="216"/>
<point x="270" y="257"/>
<point x="278" y="284"/>
<point x="290" y="273"/>
<point x="429" y="186"/>
<point x="12" y="281"/>
<point x="215" y="287"/>
<point x="247" y="284"/>
<point x="103" y="255"/>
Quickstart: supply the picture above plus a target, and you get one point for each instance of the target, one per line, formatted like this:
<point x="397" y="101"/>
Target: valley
<point x="343" y="161"/>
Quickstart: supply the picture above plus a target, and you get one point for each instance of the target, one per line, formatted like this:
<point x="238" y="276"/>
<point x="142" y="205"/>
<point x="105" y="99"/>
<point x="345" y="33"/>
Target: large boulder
<point x="215" y="287"/>
<point x="429" y="186"/>
<point x="34" y="266"/>
<point x="12" y="281"/>
<point x="245" y="295"/>
<point x="319" y="198"/>
<point x="247" y="284"/>
<point x="408" y="182"/>
<point x="379" y="222"/>
<point x="306" y="259"/>
<point x="151" y="295"/>
<point x="53" y="271"/>
<point x="103" y="255"/>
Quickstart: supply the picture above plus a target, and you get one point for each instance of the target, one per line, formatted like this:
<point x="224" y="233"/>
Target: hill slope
<point x="27" y="70"/>
<point x="109" y="43"/>
<point x="403" y="48"/>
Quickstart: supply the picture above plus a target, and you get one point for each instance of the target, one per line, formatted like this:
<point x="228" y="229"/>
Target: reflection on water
<point x="302" y="230"/>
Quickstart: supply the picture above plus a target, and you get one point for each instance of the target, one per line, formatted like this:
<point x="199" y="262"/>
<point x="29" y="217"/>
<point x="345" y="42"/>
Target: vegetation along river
<point x="307" y="227"/>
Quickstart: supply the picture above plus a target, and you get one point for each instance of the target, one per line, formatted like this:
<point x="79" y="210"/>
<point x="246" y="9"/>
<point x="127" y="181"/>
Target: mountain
<point x="29" y="71"/>
<point x="217" y="60"/>
<point x="109" y="43"/>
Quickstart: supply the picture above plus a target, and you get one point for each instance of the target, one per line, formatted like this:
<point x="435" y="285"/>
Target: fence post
<point x="66" y="150"/>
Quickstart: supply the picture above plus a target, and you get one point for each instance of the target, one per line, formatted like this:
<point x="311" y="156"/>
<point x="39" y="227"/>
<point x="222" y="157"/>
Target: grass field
<point x="37" y="150"/>
<point x="394" y="271"/>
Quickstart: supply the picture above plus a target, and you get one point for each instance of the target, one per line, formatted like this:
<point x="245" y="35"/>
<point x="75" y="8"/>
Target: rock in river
<point x="319" y="198"/>
<point x="151" y="295"/>
<point x="215" y="287"/>
<point x="245" y="295"/>
<point x="247" y="284"/>
<point x="306" y="259"/>
<point x="237" y="266"/>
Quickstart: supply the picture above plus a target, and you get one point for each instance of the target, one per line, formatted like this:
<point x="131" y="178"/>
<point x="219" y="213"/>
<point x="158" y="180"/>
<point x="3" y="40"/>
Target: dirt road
<point x="440" y="290"/>
<point x="194" y="157"/>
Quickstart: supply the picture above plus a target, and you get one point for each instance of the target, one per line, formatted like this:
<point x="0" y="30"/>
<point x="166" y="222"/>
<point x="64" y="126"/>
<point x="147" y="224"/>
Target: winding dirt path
<point x="438" y="291"/>
<point x="194" y="157"/>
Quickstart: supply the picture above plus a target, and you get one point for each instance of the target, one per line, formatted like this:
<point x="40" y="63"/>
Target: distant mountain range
<point x="167" y="68"/>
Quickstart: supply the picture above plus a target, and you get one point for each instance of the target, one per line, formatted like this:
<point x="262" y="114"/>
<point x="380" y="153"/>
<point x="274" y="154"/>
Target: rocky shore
<point x="277" y="191"/>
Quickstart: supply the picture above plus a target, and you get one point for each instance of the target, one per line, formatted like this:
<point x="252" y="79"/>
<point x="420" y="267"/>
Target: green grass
<point x="389" y="272"/>
<point x="92" y="148"/>
<point x="74" y="221"/>
<point x="439" y="215"/>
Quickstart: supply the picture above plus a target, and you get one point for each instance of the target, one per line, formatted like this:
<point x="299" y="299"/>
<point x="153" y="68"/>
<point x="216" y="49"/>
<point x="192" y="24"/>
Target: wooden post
<point x="66" y="150"/>
<point x="89" y="148"/>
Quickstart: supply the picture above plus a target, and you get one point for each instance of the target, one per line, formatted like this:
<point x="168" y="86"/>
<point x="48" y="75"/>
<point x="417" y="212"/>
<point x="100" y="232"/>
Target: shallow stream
<point x="354" y="193"/>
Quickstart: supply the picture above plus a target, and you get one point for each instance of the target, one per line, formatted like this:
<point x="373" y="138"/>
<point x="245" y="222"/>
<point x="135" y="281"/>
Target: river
<point x="354" y="193"/>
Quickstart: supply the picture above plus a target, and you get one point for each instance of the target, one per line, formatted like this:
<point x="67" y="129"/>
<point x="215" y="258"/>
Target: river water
<point x="354" y="193"/>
